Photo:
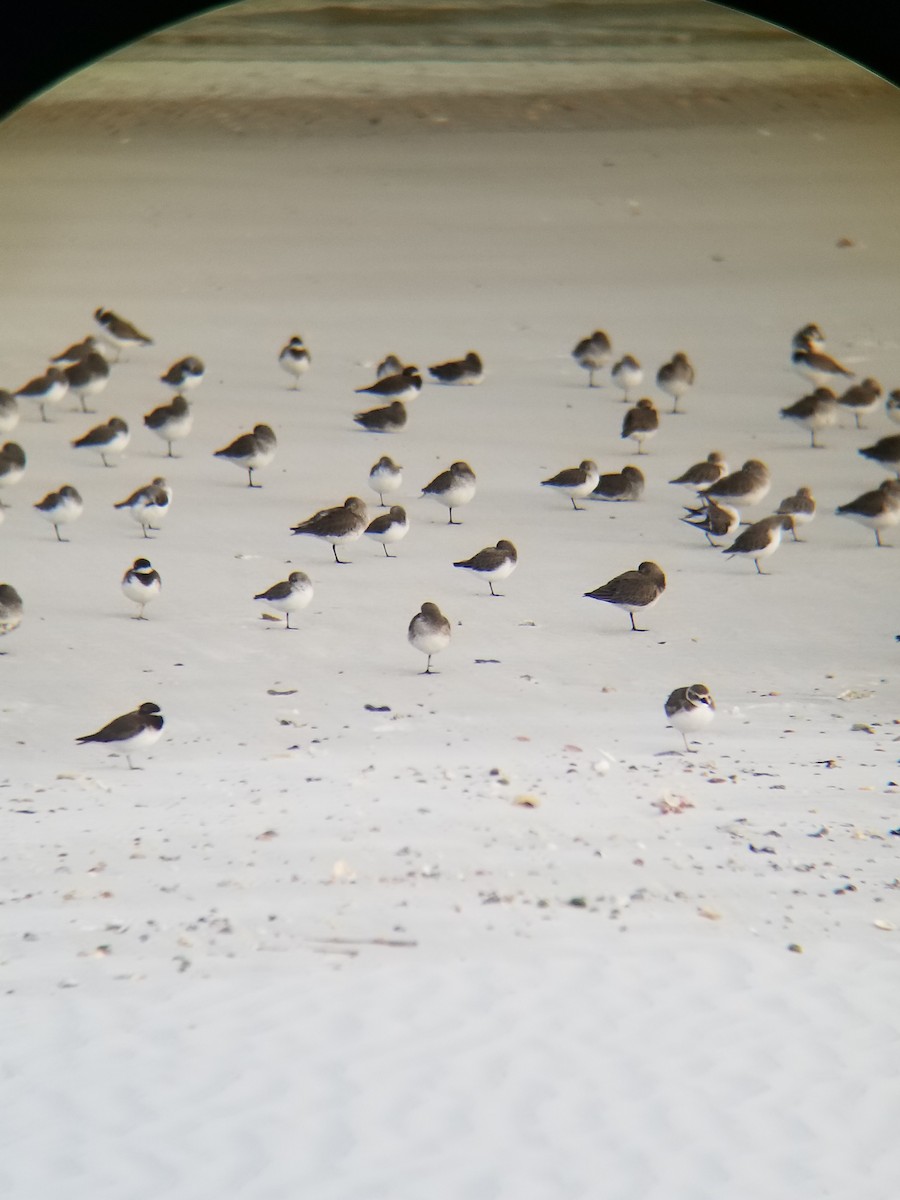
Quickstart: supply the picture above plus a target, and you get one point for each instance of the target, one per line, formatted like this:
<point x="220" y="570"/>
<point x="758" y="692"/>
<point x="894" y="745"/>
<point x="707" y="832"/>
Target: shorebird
<point x="575" y="482"/>
<point x="87" y="377"/>
<point x="592" y="353"/>
<point x="294" y="358"/>
<point x="760" y="539"/>
<point x="389" y="365"/>
<point x="119" y="333"/>
<point x="875" y="510"/>
<point x="810" y="337"/>
<point x="343" y="523"/>
<point x="61" y="508"/>
<point x="742" y="488"/>
<point x="77" y="351"/>
<point x="171" y="422"/>
<point x="184" y="375"/>
<point x="641" y="423"/>
<point x="885" y="452"/>
<point x="689" y="709"/>
<point x="675" y="378"/>
<point x="9" y="411"/>
<point x="429" y="632"/>
<point x="452" y="488"/>
<point x="814" y="412"/>
<point x="141" y="584"/>
<point x="819" y="369"/>
<point x="465" y="371"/>
<point x="385" y="476"/>
<point x="131" y="733"/>
<point x="148" y="504"/>
<point x="388" y="528"/>
<point x="627" y="484"/>
<point x="404" y="386"/>
<point x="387" y="419"/>
<point x="290" y="595"/>
<point x="632" y="591"/>
<point x="713" y="519"/>
<point x="861" y="399"/>
<point x="493" y="563"/>
<point x="891" y="407"/>
<point x="11" y="608"/>
<point x="12" y="465"/>
<point x="801" y="507"/>
<point x="108" y="440"/>
<point x="702" y="475"/>
<point x="251" y="451"/>
<point x="44" y="390"/>
<point x="627" y="374"/>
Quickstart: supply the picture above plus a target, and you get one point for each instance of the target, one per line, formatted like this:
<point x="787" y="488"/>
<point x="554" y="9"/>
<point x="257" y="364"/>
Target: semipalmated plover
<point x="118" y="332"/>
<point x="810" y="337"/>
<point x="820" y="369"/>
<point x="295" y="359"/>
<point x="141" y="583"/>
<point x="689" y="709"/>
<point x="131" y="733"/>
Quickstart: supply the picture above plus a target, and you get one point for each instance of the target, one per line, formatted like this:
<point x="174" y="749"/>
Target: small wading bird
<point x="133" y="732"/>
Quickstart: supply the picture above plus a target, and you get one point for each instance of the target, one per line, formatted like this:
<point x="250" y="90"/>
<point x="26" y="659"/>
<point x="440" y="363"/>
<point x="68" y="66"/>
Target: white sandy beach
<point x="314" y="949"/>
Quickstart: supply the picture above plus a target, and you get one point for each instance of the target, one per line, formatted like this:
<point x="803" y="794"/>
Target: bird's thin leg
<point x="170" y="454"/>
<point x="59" y="536"/>
<point x="43" y="413"/>
<point x="451" y="521"/>
<point x="687" y="747"/>
<point x="385" y="549"/>
<point x="878" y="541"/>
<point x="636" y="628"/>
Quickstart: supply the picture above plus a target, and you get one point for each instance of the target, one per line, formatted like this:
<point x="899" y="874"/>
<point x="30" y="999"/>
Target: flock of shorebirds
<point x="720" y="495"/>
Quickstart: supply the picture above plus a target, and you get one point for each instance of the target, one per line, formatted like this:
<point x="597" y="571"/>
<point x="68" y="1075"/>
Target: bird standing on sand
<point x="171" y="422"/>
<point x="632" y="591"/>
<point x="875" y="510"/>
<point x="862" y="398"/>
<point x="46" y="389"/>
<point x="290" y="595"/>
<point x="891" y="408"/>
<point x="689" y="709"/>
<point x="119" y="333"/>
<point x="627" y="374"/>
<point x="389" y="365"/>
<point x="133" y="732"/>
<point x="675" y="378"/>
<point x="464" y="372"/>
<point x="61" y="508"/>
<point x="820" y="369"/>
<point x="9" y="411"/>
<point x="388" y="419"/>
<point x="388" y="528"/>
<point x="429" y="632"/>
<point x="141" y="584"/>
<point x="87" y="377"/>
<point x="148" y="504"/>
<point x="641" y="423"/>
<point x="405" y="386"/>
<point x="592" y="353"/>
<point x="760" y="539"/>
<point x="810" y="337"/>
<point x="12" y="465"/>
<point x="801" y="507"/>
<point x="385" y="476"/>
<point x="713" y="519"/>
<point x="108" y="440"/>
<point x="251" y="451"/>
<point x="184" y="375"/>
<point x="704" y="474"/>
<point x="575" y="482"/>
<point x="11" y="608"/>
<point x="742" y="488"/>
<point x="885" y="452"/>
<point x="493" y="563"/>
<point x="814" y="412"/>
<point x="452" y="488"/>
<point x="294" y="358"/>
<point x="343" y="523"/>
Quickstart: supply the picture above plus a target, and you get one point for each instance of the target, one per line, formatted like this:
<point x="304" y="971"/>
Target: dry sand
<point x="314" y="949"/>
